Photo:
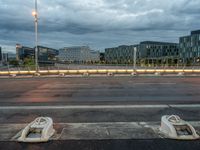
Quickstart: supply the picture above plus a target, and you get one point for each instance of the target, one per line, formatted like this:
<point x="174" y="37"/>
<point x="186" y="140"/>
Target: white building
<point x="78" y="54"/>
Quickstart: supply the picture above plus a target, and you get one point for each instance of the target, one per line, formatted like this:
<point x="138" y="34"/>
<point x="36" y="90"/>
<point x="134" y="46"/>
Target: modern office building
<point x="147" y="53"/>
<point x="5" y="58"/>
<point x="158" y="53"/>
<point x="190" y="48"/>
<point x="45" y="55"/>
<point x="78" y="54"/>
<point x="23" y="52"/>
<point x="120" y="55"/>
<point x="102" y="57"/>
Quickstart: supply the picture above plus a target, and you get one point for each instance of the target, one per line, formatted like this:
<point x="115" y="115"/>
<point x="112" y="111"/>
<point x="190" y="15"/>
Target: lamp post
<point x="134" y="58"/>
<point x="35" y="15"/>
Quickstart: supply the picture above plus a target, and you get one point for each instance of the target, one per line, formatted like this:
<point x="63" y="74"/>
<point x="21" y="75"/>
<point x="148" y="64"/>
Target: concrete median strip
<point x="94" y="131"/>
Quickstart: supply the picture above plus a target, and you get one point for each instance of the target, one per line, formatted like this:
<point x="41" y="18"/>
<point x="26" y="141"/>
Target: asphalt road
<point x="103" y="92"/>
<point x="99" y="100"/>
<point x="100" y="90"/>
<point x="158" y="144"/>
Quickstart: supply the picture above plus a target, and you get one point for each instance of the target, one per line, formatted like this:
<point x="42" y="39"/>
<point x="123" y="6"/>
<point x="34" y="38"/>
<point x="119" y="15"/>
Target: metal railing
<point x="101" y="71"/>
<point x="96" y="69"/>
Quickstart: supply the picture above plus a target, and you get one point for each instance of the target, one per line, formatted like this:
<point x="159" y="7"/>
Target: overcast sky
<point x="97" y="23"/>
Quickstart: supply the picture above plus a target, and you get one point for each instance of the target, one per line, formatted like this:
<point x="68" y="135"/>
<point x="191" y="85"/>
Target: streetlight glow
<point x="34" y="13"/>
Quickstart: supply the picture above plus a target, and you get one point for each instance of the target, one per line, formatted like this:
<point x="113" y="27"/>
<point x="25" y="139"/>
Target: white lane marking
<point x="82" y="107"/>
<point x="151" y="83"/>
<point x="62" y="85"/>
<point x="185" y="106"/>
<point x="96" y="107"/>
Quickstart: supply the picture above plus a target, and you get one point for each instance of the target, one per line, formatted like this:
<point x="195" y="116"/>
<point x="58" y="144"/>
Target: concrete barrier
<point x="175" y="128"/>
<point x="40" y="130"/>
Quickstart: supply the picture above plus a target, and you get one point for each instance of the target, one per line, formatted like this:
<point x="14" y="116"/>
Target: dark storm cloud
<point x="99" y="23"/>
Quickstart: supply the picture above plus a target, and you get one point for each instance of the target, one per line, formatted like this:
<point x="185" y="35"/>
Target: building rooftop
<point x="39" y="46"/>
<point x="195" y="32"/>
<point x="121" y="46"/>
<point x="186" y="36"/>
<point x="156" y="42"/>
<point x="71" y="47"/>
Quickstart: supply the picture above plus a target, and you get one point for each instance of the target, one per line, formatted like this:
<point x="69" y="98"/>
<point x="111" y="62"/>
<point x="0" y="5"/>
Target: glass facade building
<point x="158" y="53"/>
<point x="23" y="52"/>
<point x="45" y="55"/>
<point x="120" y="55"/>
<point x="190" y="48"/>
<point x="147" y="52"/>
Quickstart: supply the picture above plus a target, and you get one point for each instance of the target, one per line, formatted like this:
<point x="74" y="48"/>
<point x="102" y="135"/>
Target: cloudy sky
<point x="97" y="23"/>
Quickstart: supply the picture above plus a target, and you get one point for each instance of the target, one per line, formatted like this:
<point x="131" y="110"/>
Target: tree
<point x="15" y="63"/>
<point x="29" y="62"/>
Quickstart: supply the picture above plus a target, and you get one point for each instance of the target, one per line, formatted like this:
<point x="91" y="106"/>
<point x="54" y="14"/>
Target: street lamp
<point x="134" y="58"/>
<point x="35" y="15"/>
